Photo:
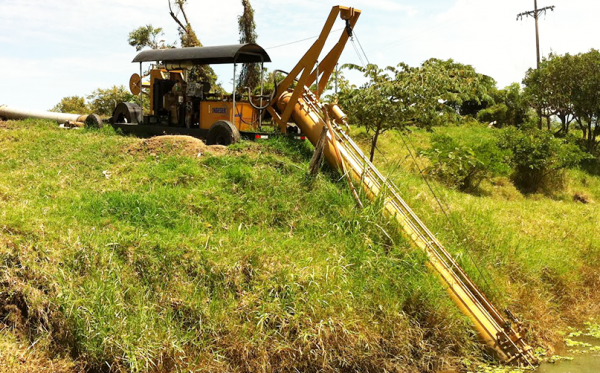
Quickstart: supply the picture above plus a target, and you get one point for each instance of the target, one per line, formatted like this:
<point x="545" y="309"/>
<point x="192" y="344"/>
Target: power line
<point x="362" y="62"/>
<point x="299" y="41"/>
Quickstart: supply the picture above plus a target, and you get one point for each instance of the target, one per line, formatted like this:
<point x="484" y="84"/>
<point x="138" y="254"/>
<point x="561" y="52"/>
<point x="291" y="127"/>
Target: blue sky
<point x="55" y="48"/>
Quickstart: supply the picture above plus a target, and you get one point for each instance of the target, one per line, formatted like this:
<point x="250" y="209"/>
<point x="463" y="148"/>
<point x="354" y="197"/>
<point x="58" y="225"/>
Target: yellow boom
<point x="303" y="107"/>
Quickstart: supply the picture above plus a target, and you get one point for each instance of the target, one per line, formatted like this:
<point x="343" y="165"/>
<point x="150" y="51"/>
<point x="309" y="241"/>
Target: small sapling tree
<point x="375" y="105"/>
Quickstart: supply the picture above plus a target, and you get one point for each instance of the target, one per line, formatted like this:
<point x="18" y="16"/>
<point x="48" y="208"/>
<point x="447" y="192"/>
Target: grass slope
<point x="538" y="255"/>
<point x="120" y="260"/>
<point x="131" y="261"/>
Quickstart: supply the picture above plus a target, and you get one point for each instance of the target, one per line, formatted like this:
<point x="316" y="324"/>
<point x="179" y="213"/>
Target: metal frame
<point x="309" y="66"/>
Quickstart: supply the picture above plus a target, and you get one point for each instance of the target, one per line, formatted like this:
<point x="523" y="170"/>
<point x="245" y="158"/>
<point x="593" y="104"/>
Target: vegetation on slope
<point x="120" y="256"/>
<point x="154" y="261"/>
<point x="537" y="254"/>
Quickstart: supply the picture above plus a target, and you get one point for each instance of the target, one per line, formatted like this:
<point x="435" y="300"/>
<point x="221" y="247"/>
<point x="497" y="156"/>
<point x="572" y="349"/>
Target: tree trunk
<point x="317" y="158"/>
<point x="591" y="134"/>
<point x="374" y="142"/>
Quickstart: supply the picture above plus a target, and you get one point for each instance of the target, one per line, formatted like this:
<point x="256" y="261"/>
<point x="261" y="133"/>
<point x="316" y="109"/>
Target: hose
<point x="272" y="95"/>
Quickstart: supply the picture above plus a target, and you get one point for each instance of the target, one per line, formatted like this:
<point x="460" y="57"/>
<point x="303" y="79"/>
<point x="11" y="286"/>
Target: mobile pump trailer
<point x="181" y="106"/>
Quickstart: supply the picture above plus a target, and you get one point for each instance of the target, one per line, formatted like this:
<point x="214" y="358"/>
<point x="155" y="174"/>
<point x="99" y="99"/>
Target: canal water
<point x="586" y="358"/>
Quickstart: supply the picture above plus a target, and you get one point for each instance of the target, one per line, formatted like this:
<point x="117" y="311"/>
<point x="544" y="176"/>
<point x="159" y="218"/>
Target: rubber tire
<point x="94" y="121"/>
<point x="223" y="132"/>
<point x="127" y="112"/>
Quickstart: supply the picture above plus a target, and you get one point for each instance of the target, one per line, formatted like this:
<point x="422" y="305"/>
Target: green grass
<point x="540" y="255"/>
<point x="162" y="262"/>
<point x="129" y="261"/>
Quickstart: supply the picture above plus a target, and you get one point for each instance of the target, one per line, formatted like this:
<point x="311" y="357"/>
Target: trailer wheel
<point x="127" y="112"/>
<point x="223" y="132"/>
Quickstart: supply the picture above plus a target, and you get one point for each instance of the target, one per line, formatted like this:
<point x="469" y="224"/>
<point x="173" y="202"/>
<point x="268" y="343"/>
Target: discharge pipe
<point x="92" y="120"/>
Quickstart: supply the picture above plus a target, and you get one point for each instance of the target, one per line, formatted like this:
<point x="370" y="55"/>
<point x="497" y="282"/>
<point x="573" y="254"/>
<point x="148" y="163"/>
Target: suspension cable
<point x="362" y="62"/>
<point x="447" y="212"/>
<point x="361" y="48"/>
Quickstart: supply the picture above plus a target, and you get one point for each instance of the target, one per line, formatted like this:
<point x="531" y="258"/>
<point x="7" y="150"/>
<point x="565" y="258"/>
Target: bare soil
<point x="176" y="145"/>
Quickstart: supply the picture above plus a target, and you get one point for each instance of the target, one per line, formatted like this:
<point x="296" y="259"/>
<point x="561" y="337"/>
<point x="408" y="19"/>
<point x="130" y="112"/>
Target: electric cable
<point x="301" y="40"/>
<point x="446" y="211"/>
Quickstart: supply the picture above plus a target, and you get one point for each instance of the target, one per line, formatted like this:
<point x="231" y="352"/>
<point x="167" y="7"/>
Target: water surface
<point x="586" y="362"/>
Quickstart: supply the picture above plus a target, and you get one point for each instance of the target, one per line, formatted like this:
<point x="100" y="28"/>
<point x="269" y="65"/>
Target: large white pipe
<point x="14" y="113"/>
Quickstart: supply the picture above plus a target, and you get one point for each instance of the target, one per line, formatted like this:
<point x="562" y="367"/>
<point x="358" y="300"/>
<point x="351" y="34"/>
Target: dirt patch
<point x="5" y="125"/>
<point x="582" y="198"/>
<point x="16" y="357"/>
<point x="25" y="311"/>
<point x="176" y="145"/>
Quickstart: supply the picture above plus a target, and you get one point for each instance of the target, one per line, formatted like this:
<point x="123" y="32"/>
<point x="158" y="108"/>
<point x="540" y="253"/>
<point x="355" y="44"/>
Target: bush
<point x="539" y="159"/>
<point x="510" y="108"/>
<point x="464" y="167"/>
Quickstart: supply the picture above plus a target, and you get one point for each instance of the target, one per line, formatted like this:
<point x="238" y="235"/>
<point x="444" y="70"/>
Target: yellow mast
<point x="303" y="107"/>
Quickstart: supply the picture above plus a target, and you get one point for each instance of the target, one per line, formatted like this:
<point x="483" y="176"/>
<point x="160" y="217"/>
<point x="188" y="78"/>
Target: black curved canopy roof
<point x="240" y="53"/>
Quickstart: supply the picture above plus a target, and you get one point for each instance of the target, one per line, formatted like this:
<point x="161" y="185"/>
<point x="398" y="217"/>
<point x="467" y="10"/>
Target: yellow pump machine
<point x="188" y="108"/>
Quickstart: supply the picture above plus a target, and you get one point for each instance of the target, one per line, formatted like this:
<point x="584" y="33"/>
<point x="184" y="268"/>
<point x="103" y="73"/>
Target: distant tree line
<point x="101" y="101"/>
<point x="565" y="88"/>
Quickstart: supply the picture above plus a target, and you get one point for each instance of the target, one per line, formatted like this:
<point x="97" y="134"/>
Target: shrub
<point x="539" y="159"/>
<point x="464" y="167"/>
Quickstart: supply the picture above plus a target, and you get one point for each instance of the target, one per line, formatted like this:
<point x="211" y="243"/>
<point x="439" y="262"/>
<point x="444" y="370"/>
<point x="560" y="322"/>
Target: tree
<point x="568" y="87"/>
<point x="145" y="36"/>
<point x="104" y="101"/>
<point x="429" y="95"/>
<point x="250" y="74"/>
<point x="374" y="105"/>
<point x="586" y="96"/>
<point x="189" y="39"/>
<point x="72" y="105"/>
<point x="550" y="89"/>
<point x="444" y="87"/>
<point x="510" y="107"/>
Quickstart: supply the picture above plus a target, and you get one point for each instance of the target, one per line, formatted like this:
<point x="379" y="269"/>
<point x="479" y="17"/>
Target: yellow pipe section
<point x="488" y="322"/>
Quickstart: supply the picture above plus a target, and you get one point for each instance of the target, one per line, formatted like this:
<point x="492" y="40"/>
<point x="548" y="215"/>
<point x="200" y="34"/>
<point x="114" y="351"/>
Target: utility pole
<point x="536" y="15"/>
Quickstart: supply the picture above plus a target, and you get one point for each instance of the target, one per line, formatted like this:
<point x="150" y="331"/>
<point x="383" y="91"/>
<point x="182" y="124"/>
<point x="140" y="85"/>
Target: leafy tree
<point x="446" y="86"/>
<point x="189" y="38"/>
<point x="424" y="96"/>
<point x="586" y="97"/>
<point x="104" y="101"/>
<point x="462" y="166"/>
<point x="510" y="107"/>
<point x="250" y="74"/>
<point x="73" y="105"/>
<point x="550" y="89"/>
<point x="374" y="105"/>
<point x="146" y="36"/>
<point x="568" y="87"/>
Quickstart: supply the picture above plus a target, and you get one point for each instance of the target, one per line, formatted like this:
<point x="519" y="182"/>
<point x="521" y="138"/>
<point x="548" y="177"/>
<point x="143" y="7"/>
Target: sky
<point x="50" y="49"/>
